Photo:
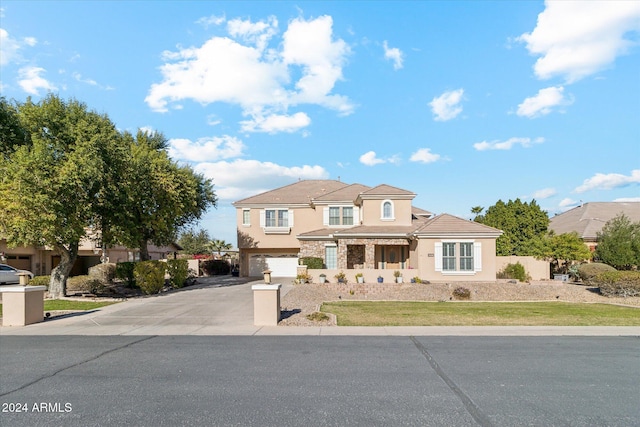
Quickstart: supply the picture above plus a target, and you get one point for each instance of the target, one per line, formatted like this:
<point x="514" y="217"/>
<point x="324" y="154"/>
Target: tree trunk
<point x="59" y="275"/>
<point x="144" y="251"/>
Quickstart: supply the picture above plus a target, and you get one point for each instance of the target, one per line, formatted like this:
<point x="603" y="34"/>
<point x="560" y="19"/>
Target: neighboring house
<point x="41" y="260"/>
<point x="355" y="227"/>
<point x="588" y="219"/>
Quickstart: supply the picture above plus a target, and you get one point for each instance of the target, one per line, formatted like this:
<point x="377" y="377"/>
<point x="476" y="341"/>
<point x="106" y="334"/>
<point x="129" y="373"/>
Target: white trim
<point x="393" y="211"/>
<point x="246" y="224"/>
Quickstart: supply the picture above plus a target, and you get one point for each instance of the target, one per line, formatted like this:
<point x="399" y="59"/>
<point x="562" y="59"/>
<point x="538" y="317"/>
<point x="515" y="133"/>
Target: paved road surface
<point x="319" y="381"/>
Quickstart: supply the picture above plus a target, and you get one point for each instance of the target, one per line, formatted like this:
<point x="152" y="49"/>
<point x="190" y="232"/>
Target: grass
<point x="409" y="313"/>
<point x="59" y="304"/>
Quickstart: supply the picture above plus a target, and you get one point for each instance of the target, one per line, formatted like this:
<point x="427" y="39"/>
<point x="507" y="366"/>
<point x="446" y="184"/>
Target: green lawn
<point x="406" y="313"/>
<point x="59" y="304"/>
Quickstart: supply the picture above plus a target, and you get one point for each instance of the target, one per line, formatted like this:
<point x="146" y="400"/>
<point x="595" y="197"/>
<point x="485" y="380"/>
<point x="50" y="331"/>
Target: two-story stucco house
<point x="356" y="228"/>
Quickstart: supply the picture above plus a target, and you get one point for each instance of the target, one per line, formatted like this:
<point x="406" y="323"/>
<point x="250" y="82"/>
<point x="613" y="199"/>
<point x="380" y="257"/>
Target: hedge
<point x="124" y="272"/>
<point x="586" y="272"/>
<point x="312" y="263"/>
<point x="215" y="267"/>
<point x="618" y="283"/>
<point x="178" y="270"/>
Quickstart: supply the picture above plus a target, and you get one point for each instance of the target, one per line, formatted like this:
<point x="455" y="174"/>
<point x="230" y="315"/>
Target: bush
<point x="618" y="283"/>
<point x="215" y="267"/>
<point x="178" y="270"/>
<point x="461" y="293"/>
<point x="103" y="272"/>
<point x="312" y="263"/>
<point x="40" y="281"/>
<point x="124" y="272"/>
<point x="149" y="276"/>
<point x="514" y="271"/>
<point x="87" y="284"/>
<point x="586" y="272"/>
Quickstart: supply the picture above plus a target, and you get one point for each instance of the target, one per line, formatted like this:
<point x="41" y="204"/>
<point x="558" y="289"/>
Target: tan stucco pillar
<point x="266" y="304"/>
<point x="22" y="305"/>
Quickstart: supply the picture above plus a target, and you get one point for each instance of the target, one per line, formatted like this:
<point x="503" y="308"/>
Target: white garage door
<point x="281" y="265"/>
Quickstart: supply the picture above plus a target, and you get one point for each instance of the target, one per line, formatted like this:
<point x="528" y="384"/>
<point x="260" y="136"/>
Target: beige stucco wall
<point x="537" y="269"/>
<point x="254" y="236"/>
<point x="372" y="212"/>
<point x="427" y="268"/>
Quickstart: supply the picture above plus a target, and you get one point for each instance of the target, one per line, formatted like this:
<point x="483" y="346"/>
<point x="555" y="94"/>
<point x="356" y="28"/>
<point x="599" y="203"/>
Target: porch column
<point x="370" y="255"/>
<point x="342" y="255"/>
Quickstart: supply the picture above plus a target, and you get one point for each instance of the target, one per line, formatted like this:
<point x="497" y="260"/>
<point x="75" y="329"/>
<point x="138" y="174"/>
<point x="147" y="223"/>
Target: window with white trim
<point x="386" y="210"/>
<point x="246" y="217"/>
<point x="453" y="257"/>
<point x="347" y="216"/>
<point x="339" y="215"/>
<point x="334" y="215"/>
<point x="276" y="220"/>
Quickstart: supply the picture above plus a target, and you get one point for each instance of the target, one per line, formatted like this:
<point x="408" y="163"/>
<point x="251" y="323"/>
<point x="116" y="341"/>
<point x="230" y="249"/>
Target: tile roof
<point x="387" y="190"/>
<point x="445" y="224"/>
<point x="300" y="192"/>
<point x="588" y="219"/>
<point x="349" y="193"/>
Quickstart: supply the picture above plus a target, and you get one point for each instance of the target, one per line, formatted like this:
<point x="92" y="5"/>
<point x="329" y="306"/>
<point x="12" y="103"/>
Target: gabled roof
<point x="417" y="212"/>
<point x="346" y="194"/>
<point x="386" y="191"/>
<point x="588" y="219"/>
<point x="301" y="192"/>
<point x="449" y="225"/>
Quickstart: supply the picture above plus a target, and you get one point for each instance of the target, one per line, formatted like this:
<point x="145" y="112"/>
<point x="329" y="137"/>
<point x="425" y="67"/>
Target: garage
<point x="281" y="265"/>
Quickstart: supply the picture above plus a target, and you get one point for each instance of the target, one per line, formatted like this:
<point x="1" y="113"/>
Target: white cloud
<point x="206" y="21"/>
<point x="32" y="82"/>
<point x="544" y="193"/>
<point x="243" y="178"/>
<point x="79" y="78"/>
<point x="543" y="102"/>
<point x="424" y="155"/>
<point x="258" y="79"/>
<point x="276" y="123"/>
<point x="370" y="159"/>
<point x="447" y="106"/>
<point x="575" y="39"/>
<point x="567" y="203"/>
<point x="394" y="54"/>
<point x="627" y="199"/>
<point x="206" y="149"/>
<point x="609" y="181"/>
<point x="10" y="47"/>
<point x="506" y="145"/>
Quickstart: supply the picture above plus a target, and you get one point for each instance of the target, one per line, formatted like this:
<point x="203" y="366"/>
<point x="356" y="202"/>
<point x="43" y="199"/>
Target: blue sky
<point x="463" y="103"/>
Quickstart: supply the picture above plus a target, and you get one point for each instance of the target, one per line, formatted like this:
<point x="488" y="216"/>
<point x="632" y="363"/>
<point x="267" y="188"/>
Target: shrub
<point x="103" y="272"/>
<point x="124" y="272"/>
<point x="304" y="278"/>
<point x="88" y="284"/>
<point x="514" y="271"/>
<point x="149" y="276"/>
<point x="461" y="293"/>
<point x="618" y="283"/>
<point x="586" y="272"/>
<point x="178" y="270"/>
<point x="341" y="277"/>
<point x="312" y="262"/>
<point x="40" y="281"/>
<point x="215" y="267"/>
<point x="317" y="316"/>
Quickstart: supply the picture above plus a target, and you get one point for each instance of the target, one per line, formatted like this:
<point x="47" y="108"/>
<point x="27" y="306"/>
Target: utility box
<point x="22" y="305"/>
<point x="266" y="304"/>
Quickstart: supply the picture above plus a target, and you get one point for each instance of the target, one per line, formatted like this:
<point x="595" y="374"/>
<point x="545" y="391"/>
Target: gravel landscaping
<point x="305" y="299"/>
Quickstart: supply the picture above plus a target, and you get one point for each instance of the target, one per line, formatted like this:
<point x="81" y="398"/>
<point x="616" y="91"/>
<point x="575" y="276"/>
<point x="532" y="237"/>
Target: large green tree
<point x="561" y="250"/>
<point x="162" y="196"/>
<point x="520" y="223"/>
<point x="619" y="243"/>
<point x="194" y="242"/>
<point x="52" y="187"/>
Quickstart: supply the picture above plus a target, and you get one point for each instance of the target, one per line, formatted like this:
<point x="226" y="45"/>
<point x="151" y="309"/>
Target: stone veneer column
<point x="370" y="255"/>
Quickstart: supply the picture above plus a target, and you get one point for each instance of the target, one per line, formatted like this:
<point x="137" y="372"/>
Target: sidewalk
<point x="224" y="306"/>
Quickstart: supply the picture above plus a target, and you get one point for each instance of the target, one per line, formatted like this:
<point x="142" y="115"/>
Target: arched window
<point x="387" y="209"/>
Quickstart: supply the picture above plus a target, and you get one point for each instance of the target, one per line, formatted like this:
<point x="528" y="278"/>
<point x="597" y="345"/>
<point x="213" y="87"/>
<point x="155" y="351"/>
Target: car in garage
<point x="10" y="275"/>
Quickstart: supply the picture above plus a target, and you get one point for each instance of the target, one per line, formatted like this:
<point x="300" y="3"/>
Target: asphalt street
<point x="319" y="381"/>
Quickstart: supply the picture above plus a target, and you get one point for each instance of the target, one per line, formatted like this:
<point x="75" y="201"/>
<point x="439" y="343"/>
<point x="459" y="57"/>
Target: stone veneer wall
<point x="370" y="289"/>
<point x="313" y="248"/>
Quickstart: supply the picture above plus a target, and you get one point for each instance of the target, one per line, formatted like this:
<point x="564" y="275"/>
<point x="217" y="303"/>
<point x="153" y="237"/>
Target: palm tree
<point x="218" y="246"/>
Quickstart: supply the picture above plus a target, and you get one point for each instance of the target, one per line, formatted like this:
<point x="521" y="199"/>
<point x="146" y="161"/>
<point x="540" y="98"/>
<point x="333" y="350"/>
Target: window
<point x="270" y="218"/>
<point x="283" y="218"/>
<point x="331" y="257"/>
<point x="340" y="215"/>
<point x="458" y="257"/>
<point x="347" y="216"/>
<point x="466" y="256"/>
<point x="387" y="210"/>
<point x="449" y="256"/>
<point x="276" y="218"/>
<point x="246" y="217"/>
<point x="334" y="216"/>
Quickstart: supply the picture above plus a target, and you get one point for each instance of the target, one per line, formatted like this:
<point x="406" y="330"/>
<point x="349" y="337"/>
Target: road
<point x="319" y="381"/>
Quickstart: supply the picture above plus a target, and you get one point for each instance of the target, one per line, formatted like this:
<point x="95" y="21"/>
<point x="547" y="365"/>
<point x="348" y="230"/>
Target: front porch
<point x="360" y="254"/>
